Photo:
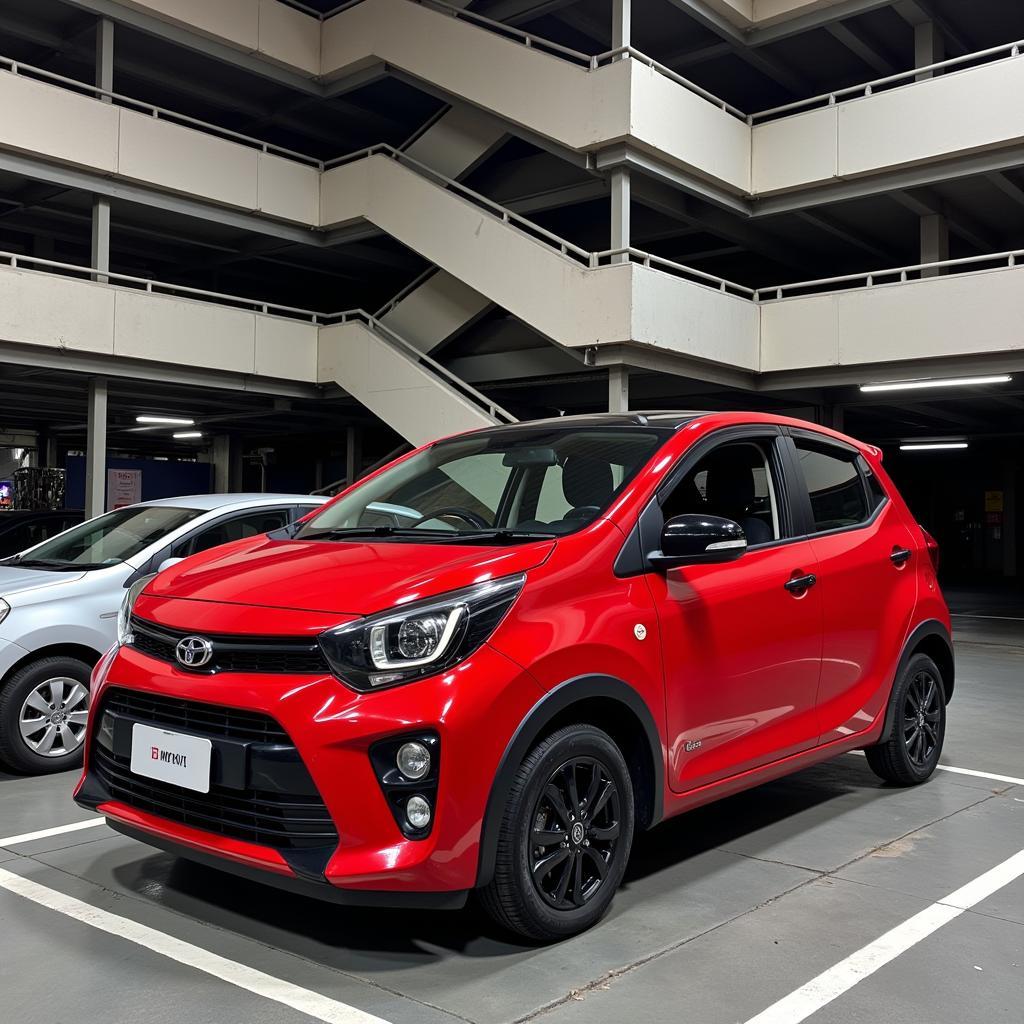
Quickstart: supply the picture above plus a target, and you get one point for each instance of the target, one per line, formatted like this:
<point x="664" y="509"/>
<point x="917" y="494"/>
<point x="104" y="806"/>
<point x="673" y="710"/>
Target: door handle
<point x="798" y="584"/>
<point x="900" y="556"/>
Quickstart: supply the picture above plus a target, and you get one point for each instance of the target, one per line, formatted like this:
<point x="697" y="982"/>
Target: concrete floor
<point x="724" y="910"/>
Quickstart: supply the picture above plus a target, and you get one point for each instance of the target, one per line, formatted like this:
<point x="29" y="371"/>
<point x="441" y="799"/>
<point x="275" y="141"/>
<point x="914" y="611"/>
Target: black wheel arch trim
<point x="543" y="713"/>
<point x="929" y="628"/>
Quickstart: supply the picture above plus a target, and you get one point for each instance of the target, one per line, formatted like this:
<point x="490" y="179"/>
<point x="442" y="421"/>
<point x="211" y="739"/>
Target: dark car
<point x="20" y="529"/>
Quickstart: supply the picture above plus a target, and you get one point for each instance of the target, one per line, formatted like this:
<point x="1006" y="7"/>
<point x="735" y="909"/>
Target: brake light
<point x="933" y="548"/>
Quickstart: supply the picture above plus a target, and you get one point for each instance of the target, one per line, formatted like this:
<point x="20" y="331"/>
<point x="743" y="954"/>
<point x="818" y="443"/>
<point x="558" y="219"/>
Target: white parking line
<point x="45" y="833"/>
<point x="980" y="775"/>
<point x="305" y="1001"/>
<point x="831" y="984"/>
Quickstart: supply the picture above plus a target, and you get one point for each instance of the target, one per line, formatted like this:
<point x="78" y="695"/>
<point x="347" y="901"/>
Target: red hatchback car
<point x="487" y="665"/>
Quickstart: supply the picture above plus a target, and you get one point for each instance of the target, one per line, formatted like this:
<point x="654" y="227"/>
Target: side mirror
<point x="167" y="563"/>
<point x="696" y="539"/>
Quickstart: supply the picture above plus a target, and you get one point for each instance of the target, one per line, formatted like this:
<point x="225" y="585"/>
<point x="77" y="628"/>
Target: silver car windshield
<point x="108" y="539"/>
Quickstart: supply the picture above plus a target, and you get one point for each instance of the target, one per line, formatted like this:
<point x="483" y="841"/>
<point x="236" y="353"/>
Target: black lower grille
<point x="276" y="655"/>
<point x="260" y="791"/>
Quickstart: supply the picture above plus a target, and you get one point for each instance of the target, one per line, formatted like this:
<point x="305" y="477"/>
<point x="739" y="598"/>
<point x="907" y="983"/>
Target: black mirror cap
<point x="697" y="539"/>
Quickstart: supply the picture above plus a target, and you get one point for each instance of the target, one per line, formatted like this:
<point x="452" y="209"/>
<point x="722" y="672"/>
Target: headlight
<point x="124" y="616"/>
<point x="419" y="639"/>
<point x="5" y="609"/>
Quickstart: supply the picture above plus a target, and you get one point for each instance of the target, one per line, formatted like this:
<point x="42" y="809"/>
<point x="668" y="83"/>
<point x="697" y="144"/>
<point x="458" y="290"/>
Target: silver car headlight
<point x="5" y="609"/>
<point x="417" y="640"/>
<point x="124" y="616"/>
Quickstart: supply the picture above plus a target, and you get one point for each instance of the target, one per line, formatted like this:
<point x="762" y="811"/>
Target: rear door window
<point x="834" y="485"/>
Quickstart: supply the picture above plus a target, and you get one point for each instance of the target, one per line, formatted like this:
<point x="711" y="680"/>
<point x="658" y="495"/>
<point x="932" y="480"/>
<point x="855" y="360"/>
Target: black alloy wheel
<point x="921" y="715"/>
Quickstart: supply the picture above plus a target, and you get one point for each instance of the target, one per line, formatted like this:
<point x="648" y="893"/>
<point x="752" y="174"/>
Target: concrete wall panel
<point x="170" y="329"/>
<point x="799" y="332"/>
<point x="185" y="160"/>
<point x="288" y="189"/>
<point x="58" y="312"/>
<point x="55" y="122"/>
<point x="286" y="348"/>
<point x="802" y="149"/>
<point x="289" y="37"/>
<point x="235" y="22"/>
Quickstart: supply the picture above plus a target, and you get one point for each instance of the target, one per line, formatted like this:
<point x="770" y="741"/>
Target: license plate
<point x="171" y="757"/>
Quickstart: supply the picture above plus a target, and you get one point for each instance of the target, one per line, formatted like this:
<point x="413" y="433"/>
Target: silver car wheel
<point x="53" y="717"/>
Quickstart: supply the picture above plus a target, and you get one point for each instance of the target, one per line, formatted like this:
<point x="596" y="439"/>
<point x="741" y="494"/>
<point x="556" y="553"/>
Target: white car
<point x="59" y="602"/>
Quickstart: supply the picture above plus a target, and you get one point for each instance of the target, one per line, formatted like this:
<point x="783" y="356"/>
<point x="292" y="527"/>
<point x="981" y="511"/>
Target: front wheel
<point x="918" y="711"/>
<point x="565" y="837"/>
<point x="43" y="711"/>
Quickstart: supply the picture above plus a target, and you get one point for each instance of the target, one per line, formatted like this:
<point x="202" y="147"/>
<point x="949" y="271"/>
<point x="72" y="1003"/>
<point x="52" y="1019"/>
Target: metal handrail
<point x="609" y="257"/>
<point x="878" y="278"/>
<point x="413" y="354"/>
<point x="1006" y="51"/>
<point x="17" y="67"/>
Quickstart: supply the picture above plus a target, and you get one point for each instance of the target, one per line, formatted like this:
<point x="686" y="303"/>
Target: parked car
<point x="21" y="528"/>
<point x="59" y="602"/>
<point x="585" y="626"/>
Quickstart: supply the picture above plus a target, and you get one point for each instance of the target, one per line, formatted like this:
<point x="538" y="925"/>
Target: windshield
<point x="110" y="538"/>
<point x="512" y="484"/>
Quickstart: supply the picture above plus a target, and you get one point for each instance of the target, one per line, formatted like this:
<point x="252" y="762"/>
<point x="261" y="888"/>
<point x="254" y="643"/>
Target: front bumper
<point x="474" y="709"/>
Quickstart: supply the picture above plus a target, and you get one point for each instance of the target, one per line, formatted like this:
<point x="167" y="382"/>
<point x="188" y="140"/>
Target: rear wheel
<point x="918" y="711"/>
<point x="565" y="836"/>
<point x="43" y="711"/>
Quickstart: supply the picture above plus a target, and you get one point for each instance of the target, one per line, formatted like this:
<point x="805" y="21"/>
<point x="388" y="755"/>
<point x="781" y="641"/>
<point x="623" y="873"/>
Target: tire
<point x="31" y="695"/>
<point x="562" y="901"/>
<point x="918" y="711"/>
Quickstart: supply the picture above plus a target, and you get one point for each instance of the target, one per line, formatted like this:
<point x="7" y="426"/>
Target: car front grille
<point x="260" y="791"/>
<point x="252" y="654"/>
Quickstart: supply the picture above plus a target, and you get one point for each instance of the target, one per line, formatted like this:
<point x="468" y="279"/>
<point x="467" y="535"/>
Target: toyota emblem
<point x="193" y="651"/>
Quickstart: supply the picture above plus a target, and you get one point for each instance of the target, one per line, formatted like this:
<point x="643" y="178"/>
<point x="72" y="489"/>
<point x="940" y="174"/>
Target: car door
<point x="741" y="642"/>
<point x="868" y="582"/>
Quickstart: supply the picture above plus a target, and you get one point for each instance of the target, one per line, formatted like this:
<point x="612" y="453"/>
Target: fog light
<point x="417" y="810"/>
<point x="413" y="760"/>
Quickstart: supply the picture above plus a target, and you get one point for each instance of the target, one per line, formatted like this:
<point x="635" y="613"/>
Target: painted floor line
<point x="981" y="775"/>
<point x="996" y="618"/>
<point x="57" y="830"/>
<point x="830" y="984"/>
<point x="314" y="1004"/>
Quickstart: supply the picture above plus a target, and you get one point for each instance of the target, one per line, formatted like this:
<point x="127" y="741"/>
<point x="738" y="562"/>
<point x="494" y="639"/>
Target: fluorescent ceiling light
<point x="186" y="434"/>
<point x="933" y="446"/>
<point x="947" y="382"/>
<point x="170" y="421"/>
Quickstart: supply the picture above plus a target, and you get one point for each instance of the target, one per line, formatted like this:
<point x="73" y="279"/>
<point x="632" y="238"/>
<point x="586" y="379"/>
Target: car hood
<point x="17" y="581"/>
<point x="347" y="578"/>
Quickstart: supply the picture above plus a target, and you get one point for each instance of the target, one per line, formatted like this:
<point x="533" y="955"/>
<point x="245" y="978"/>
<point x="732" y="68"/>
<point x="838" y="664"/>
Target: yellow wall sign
<point x="993" y="501"/>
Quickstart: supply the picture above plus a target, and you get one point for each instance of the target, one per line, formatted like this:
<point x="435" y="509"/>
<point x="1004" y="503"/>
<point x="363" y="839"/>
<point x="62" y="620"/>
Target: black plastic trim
<point x="552" y="704"/>
<point x="318" y="890"/>
<point x="931" y="627"/>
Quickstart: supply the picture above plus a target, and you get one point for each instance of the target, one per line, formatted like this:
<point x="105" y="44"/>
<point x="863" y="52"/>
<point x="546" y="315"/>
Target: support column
<point x="620" y="227"/>
<point x="618" y="388"/>
<point x="353" y="455"/>
<point x="100" y="253"/>
<point x="622" y="16"/>
<point x="220" y="454"/>
<point x="96" y="449"/>
<point x="934" y="242"/>
<point x="929" y="48"/>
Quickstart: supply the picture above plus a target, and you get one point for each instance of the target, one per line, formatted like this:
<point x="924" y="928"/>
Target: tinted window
<point x="113" y="537"/>
<point x="835" y="487"/>
<point x="734" y="481"/>
<point x="876" y="492"/>
<point x="252" y="524"/>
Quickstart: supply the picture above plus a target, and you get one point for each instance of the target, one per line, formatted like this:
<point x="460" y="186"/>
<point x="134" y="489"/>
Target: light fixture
<point x="170" y="421"/>
<point x="939" y="382"/>
<point x="185" y="434"/>
<point x="417" y="811"/>
<point x="933" y="446"/>
<point x="413" y="760"/>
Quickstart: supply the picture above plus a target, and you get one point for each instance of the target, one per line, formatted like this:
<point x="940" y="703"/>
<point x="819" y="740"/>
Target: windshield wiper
<point x="504" y="533"/>
<point x="52" y="563"/>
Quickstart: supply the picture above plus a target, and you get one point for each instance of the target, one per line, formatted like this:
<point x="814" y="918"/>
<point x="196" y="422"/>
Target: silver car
<point x="59" y="602"/>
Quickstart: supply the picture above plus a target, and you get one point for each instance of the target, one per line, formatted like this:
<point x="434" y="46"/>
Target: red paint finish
<point x="743" y="679"/>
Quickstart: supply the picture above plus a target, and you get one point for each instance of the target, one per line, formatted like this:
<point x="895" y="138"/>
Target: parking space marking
<point x="830" y="984"/>
<point x="57" y="830"/>
<point x="315" y="1005"/>
<point x="981" y="775"/>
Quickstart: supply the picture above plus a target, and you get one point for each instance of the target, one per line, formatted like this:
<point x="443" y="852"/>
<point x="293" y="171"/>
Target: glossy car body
<point x="710" y="677"/>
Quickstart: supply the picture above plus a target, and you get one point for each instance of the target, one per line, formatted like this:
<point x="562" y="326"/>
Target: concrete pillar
<point x="353" y="454"/>
<point x="618" y="388"/>
<point x="220" y="455"/>
<point x="929" y="48"/>
<point x="621" y="23"/>
<point x="620" y="227"/>
<point x="96" y="449"/>
<point x="48" y="452"/>
<point x="934" y="242"/>
<point x="100" y="254"/>
<point x="1011" y="476"/>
